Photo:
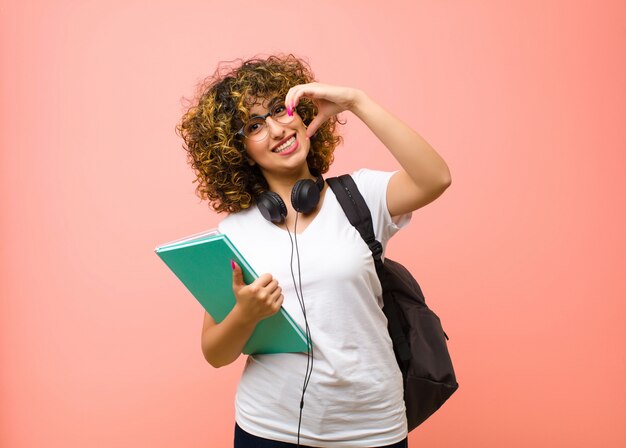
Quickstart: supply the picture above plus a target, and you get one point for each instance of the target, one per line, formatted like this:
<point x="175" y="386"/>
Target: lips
<point x="286" y="146"/>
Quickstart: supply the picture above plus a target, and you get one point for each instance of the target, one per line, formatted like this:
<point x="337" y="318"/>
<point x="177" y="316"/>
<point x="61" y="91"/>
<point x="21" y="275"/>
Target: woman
<point x="266" y="126"/>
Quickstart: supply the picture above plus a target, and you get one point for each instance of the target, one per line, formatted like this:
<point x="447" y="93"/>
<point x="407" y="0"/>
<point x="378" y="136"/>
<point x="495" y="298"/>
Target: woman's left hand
<point x="424" y="174"/>
<point x="330" y="101"/>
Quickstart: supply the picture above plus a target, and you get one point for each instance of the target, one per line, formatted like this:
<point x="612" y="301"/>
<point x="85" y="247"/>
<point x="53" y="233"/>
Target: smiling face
<point x="283" y="152"/>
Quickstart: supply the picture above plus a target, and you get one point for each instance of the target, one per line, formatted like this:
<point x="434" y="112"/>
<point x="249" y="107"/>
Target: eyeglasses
<point x="256" y="128"/>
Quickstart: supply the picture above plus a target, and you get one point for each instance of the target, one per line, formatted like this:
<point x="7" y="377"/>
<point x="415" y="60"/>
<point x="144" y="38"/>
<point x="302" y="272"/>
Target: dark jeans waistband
<point x="244" y="439"/>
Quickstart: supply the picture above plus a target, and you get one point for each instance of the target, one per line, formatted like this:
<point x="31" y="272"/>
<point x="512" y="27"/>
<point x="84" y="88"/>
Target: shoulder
<point x="366" y="175"/>
<point x="373" y="185"/>
<point x="239" y="219"/>
<point x="247" y="229"/>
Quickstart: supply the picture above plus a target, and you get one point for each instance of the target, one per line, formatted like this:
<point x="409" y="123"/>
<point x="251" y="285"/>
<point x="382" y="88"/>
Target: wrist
<point x="241" y="317"/>
<point x="359" y="102"/>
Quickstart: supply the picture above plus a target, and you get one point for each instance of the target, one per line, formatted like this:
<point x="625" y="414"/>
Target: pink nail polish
<point x="290" y="111"/>
<point x="232" y="264"/>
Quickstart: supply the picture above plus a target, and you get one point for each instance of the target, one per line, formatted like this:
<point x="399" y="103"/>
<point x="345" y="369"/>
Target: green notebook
<point x="202" y="263"/>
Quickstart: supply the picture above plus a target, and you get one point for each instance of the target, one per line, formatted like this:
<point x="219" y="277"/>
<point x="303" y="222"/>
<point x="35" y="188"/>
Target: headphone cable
<point x="300" y="296"/>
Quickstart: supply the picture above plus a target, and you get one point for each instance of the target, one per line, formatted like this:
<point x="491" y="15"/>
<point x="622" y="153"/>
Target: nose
<point x="274" y="128"/>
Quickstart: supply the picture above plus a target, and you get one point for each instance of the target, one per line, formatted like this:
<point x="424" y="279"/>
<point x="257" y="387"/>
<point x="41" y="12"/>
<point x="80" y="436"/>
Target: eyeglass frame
<point x="264" y="118"/>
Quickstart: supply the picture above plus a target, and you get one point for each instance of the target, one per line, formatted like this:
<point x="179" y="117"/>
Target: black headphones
<point x="305" y="195"/>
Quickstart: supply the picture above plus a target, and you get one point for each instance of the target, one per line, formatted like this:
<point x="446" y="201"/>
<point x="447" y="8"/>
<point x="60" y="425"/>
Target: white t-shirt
<point x="355" y="394"/>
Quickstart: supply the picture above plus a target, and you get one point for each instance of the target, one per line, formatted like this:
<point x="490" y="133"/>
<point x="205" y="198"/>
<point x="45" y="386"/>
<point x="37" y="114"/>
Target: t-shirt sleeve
<point x="373" y="187"/>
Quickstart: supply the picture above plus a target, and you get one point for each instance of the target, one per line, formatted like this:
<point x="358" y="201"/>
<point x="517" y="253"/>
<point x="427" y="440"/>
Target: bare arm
<point x="222" y="343"/>
<point x="424" y="175"/>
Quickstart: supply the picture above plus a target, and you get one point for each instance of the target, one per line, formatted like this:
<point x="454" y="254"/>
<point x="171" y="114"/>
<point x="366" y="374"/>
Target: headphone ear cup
<point x="272" y="207"/>
<point x="305" y="196"/>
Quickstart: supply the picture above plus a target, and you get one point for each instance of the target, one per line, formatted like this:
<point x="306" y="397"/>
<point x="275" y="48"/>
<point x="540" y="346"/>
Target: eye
<point x="254" y="126"/>
<point x="279" y="110"/>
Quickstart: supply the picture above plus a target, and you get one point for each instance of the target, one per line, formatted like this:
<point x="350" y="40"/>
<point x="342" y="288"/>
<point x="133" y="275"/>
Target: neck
<point x="283" y="184"/>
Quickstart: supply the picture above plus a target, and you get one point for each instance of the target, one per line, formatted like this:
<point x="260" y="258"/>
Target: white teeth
<point x="285" y="145"/>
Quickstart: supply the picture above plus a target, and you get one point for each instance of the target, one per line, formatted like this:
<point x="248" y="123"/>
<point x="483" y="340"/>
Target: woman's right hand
<point x="223" y="342"/>
<point x="258" y="300"/>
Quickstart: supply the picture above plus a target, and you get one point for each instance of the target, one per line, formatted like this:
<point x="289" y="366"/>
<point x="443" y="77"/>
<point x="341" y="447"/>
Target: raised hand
<point x="330" y="101"/>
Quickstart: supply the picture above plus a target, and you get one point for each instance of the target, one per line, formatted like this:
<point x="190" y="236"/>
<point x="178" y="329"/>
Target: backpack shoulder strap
<point x="359" y="215"/>
<point x="357" y="211"/>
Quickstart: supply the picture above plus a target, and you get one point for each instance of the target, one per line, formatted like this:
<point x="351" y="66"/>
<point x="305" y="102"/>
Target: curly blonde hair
<point x="209" y="128"/>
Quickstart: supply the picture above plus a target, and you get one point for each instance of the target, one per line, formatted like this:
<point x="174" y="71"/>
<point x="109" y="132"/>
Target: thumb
<point x="237" y="276"/>
<point x="314" y="125"/>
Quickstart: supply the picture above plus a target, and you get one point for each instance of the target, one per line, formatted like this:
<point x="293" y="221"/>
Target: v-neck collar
<point x="312" y="223"/>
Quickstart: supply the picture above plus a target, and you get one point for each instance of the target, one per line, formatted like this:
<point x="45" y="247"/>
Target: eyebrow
<point x="271" y="104"/>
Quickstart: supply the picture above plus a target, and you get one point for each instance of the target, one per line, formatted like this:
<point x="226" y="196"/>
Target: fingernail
<point x="290" y="111"/>
<point x="232" y="264"/>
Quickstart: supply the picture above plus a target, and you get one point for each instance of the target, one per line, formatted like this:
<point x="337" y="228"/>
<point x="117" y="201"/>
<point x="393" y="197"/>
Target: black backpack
<point x="419" y="341"/>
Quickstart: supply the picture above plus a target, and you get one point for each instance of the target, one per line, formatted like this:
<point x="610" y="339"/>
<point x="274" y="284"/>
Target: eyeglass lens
<point x="256" y="128"/>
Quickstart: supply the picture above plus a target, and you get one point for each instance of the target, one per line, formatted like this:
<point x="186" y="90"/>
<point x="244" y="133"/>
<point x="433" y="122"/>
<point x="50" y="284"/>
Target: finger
<point x="270" y="293"/>
<point x="272" y="286"/>
<point x="279" y="303"/>
<point x="263" y="281"/>
<point x="275" y="295"/>
<point x="315" y="125"/>
<point x="238" y="282"/>
<point x="289" y="100"/>
<point x="292" y="99"/>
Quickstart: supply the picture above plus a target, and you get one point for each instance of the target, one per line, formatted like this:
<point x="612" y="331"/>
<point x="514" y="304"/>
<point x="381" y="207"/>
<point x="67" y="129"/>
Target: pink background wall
<point x="523" y="257"/>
